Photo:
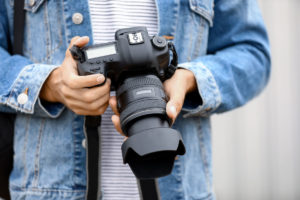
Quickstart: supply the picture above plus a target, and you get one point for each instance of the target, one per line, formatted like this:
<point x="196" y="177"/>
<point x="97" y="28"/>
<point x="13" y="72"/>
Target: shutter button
<point x="77" y="18"/>
<point x="23" y="97"/>
<point x="159" y="42"/>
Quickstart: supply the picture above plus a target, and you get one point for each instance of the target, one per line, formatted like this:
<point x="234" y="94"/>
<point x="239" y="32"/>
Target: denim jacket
<point x="224" y="43"/>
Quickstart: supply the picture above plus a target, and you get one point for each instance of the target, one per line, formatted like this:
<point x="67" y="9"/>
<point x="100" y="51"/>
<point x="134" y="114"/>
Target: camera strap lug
<point x="174" y="61"/>
<point x="173" y="65"/>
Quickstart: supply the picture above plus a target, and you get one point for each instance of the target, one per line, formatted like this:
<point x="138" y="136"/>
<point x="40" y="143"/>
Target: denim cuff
<point x="207" y="89"/>
<point x="31" y="80"/>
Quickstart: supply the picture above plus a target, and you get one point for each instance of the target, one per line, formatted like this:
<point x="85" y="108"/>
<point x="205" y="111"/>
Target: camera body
<point x="133" y="53"/>
<point x="137" y="64"/>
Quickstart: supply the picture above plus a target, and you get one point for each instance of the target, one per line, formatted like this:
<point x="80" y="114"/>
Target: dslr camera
<point x="137" y="64"/>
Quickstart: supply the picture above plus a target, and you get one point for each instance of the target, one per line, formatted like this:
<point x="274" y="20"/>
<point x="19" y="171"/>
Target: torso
<point x="117" y="180"/>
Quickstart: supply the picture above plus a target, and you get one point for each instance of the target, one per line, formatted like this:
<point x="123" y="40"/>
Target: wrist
<point x="49" y="91"/>
<point x="189" y="79"/>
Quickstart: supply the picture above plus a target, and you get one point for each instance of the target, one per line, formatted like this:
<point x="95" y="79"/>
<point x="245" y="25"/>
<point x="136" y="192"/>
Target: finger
<point x="175" y="103"/>
<point x="76" y="82"/>
<point x="86" y="95"/>
<point x="97" y="104"/>
<point x="117" y="123"/>
<point x="93" y="106"/>
<point x="90" y="95"/>
<point x="113" y="105"/>
<point x="84" y="111"/>
<point x="71" y="77"/>
<point x="73" y="41"/>
<point x="79" y="41"/>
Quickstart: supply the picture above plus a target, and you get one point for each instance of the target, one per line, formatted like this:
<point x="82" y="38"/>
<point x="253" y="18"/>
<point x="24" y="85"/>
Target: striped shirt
<point x="107" y="16"/>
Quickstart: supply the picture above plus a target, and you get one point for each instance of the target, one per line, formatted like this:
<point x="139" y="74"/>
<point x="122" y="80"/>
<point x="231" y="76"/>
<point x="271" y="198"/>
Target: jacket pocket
<point x="203" y="8"/>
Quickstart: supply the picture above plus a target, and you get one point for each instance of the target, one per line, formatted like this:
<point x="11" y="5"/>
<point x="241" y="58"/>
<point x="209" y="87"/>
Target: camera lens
<point x="151" y="145"/>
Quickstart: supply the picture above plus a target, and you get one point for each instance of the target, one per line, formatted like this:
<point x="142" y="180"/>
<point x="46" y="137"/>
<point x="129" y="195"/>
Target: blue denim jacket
<point x="224" y="43"/>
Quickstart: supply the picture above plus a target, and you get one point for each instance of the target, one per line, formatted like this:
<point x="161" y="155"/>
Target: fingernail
<point x="81" y="38"/>
<point x="173" y="110"/>
<point x="100" y="78"/>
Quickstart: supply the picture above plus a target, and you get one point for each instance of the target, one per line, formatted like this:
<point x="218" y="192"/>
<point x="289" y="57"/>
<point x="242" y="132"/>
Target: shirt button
<point x="31" y="2"/>
<point x="83" y="143"/>
<point x="77" y="18"/>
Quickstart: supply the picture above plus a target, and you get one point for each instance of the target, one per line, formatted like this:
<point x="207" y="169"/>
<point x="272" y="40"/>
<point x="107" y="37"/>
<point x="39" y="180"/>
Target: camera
<point x="137" y="64"/>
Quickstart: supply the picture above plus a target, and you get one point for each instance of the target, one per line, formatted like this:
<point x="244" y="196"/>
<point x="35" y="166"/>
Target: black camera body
<point x="133" y="53"/>
<point x="137" y="64"/>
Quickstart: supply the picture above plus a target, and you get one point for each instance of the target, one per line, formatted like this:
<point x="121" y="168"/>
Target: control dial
<point x="159" y="42"/>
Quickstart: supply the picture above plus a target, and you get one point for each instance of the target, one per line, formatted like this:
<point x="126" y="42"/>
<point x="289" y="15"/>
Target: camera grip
<point x="87" y="68"/>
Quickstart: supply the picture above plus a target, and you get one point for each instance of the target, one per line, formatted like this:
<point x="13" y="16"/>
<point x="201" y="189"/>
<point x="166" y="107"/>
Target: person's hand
<point x="182" y="82"/>
<point x="116" y="117"/>
<point x="176" y="88"/>
<point x="64" y="85"/>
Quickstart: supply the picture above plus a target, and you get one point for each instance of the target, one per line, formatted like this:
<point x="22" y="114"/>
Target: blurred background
<point x="256" y="148"/>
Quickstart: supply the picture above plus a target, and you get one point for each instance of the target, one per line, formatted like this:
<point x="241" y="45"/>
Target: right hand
<point x="64" y="85"/>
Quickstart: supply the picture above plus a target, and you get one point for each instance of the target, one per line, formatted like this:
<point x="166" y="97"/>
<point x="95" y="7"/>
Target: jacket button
<point x="22" y="98"/>
<point x="77" y="18"/>
<point x="83" y="143"/>
<point x="31" y="2"/>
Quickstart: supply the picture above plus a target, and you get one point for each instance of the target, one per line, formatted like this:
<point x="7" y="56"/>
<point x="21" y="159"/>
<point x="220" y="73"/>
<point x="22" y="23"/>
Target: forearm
<point x="237" y="66"/>
<point x="19" y="76"/>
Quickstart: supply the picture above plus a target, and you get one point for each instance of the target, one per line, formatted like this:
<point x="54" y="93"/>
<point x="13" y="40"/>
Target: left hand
<point x="182" y="82"/>
<point x="176" y="88"/>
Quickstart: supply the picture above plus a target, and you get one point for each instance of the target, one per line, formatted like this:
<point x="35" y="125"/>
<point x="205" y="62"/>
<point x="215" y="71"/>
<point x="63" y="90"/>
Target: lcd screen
<point x="100" y="51"/>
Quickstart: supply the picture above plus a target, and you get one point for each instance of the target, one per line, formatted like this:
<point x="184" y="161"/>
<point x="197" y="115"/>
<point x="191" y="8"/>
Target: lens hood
<point x="151" y="154"/>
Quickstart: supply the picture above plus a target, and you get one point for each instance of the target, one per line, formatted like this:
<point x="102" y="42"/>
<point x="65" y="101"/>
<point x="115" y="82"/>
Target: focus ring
<point x="139" y="82"/>
<point x="142" y="105"/>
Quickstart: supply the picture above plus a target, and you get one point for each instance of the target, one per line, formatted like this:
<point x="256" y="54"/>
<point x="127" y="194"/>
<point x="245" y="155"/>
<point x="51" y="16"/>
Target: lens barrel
<point x="152" y="145"/>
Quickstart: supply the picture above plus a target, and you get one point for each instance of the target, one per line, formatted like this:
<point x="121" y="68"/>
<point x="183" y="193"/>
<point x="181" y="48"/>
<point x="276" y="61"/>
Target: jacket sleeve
<point x="18" y="74"/>
<point x="237" y="65"/>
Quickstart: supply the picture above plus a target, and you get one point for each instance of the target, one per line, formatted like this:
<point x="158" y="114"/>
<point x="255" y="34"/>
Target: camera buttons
<point x="159" y="42"/>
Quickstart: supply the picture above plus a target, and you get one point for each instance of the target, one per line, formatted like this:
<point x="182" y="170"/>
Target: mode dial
<point x="159" y="42"/>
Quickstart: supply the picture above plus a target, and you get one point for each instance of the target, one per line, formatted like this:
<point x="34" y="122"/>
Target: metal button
<point x="83" y="143"/>
<point x="31" y="2"/>
<point x="77" y="18"/>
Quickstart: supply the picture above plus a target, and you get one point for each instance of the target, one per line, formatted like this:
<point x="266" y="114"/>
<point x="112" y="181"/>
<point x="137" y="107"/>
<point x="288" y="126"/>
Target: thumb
<point x="174" y="105"/>
<point x="79" y="41"/>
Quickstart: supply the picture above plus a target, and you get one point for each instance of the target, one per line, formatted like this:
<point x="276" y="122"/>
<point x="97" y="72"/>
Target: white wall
<point x="257" y="148"/>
